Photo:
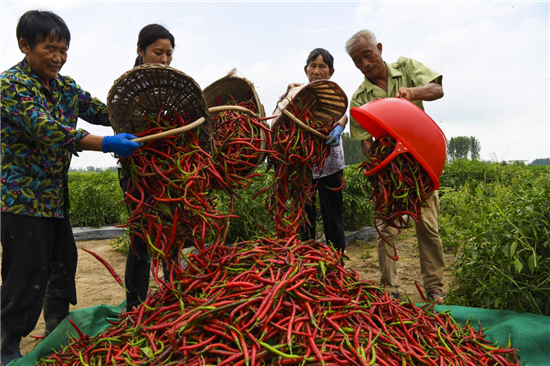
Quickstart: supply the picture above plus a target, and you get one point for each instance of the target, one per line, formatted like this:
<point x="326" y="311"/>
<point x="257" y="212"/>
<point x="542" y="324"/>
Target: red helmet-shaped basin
<point x="413" y="129"/>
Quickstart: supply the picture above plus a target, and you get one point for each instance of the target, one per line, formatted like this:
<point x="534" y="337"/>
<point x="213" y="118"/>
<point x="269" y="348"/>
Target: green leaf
<point x="323" y="268"/>
<point x="19" y="148"/>
<point x="25" y="181"/>
<point x="27" y="192"/>
<point x="56" y="136"/>
<point x="45" y="183"/>
<point x="518" y="265"/>
<point x="513" y="248"/>
<point x="164" y="208"/>
<point x="148" y="351"/>
<point x="16" y="209"/>
<point x="506" y="250"/>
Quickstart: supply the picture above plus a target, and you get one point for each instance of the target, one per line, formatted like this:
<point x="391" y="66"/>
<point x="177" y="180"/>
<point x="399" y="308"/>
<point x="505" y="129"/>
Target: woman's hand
<point x="121" y="144"/>
<point x="292" y="85"/>
<point x="334" y="136"/>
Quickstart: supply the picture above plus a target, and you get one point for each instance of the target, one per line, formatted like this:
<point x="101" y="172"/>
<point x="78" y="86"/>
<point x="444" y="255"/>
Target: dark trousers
<point x="136" y="276"/>
<point x="332" y="207"/>
<point x="39" y="258"/>
<point x="138" y="263"/>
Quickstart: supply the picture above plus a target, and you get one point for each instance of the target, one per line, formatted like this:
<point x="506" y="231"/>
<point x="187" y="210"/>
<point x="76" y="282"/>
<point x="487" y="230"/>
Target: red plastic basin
<point x="413" y="129"/>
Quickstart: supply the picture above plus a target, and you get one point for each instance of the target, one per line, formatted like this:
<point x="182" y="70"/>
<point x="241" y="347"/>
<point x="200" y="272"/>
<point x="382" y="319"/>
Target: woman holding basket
<point x="320" y="65"/>
<point x="155" y="45"/>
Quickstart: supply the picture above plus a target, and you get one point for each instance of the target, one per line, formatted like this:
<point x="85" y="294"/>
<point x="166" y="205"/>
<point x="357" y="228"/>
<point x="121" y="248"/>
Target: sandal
<point x="436" y="295"/>
<point x="396" y="295"/>
<point x="393" y="293"/>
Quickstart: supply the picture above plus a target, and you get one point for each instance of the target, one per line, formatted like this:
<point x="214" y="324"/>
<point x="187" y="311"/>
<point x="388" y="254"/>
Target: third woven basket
<point x="323" y="98"/>
<point x="148" y="89"/>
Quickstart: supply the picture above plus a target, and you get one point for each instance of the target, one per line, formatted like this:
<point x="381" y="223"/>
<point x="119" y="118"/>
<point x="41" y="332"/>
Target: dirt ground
<point x="95" y="285"/>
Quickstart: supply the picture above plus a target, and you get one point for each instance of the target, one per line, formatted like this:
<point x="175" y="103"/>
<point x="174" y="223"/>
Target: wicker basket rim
<point x="231" y="77"/>
<point x="340" y="97"/>
<point x="119" y="84"/>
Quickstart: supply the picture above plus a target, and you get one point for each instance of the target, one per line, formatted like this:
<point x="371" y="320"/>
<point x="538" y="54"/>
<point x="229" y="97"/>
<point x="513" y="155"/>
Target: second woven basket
<point x="230" y="90"/>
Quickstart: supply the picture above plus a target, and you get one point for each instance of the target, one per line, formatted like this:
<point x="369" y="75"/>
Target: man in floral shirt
<point x="40" y="109"/>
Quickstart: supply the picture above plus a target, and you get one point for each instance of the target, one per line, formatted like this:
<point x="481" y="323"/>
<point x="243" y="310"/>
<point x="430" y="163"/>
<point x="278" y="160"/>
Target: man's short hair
<point x="36" y="25"/>
<point x="367" y="34"/>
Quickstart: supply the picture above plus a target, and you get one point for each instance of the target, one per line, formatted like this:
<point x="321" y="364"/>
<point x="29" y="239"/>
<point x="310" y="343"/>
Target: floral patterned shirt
<point x="39" y="137"/>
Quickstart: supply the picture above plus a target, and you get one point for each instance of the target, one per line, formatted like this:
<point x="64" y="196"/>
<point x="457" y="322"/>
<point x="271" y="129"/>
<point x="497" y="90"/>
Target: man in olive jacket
<point x="409" y="79"/>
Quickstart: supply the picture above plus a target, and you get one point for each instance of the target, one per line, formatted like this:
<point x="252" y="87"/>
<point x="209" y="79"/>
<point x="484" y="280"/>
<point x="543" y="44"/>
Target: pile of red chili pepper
<point x="241" y="143"/>
<point x="279" y="302"/>
<point x="400" y="190"/>
<point x="297" y="154"/>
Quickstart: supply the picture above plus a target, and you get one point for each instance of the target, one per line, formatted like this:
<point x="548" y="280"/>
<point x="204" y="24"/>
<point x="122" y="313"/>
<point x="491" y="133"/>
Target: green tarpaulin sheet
<point x="529" y="333"/>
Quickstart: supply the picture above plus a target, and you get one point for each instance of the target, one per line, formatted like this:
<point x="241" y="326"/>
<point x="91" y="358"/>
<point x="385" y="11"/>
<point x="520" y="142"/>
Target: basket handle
<point x="192" y="125"/>
<point x="304" y="126"/>
<point x="172" y="132"/>
<point x="231" y="108"/>
<point x="399" y="149"/>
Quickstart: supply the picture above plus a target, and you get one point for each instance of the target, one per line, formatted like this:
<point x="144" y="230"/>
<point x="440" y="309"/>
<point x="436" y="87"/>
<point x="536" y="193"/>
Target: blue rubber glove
<point x="334" y="136"/>
<point x="120" y="144"/>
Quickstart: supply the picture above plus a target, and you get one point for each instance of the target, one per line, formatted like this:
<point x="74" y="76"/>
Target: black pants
<point x="332" y="207"/>
<point x="39" y="258"/>
<point x="138" y="263"/>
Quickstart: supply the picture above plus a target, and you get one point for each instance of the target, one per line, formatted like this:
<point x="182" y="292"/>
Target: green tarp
<point x="529" y="333"/>
<point x="90" y="321"/>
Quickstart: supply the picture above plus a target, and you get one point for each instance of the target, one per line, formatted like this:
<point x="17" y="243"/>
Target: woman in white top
<point x="320" y="65"/>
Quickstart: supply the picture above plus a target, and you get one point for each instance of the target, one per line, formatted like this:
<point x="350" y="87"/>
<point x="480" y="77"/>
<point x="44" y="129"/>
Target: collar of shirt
<point x="393" y="73"/>
<point x="56" y="84"/>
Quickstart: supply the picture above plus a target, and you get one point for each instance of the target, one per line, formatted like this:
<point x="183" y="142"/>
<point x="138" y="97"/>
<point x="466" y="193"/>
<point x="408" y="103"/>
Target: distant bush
<point x="541" y="162"/>
<point x="358" y="210"/>
<point x="95" y="199"/>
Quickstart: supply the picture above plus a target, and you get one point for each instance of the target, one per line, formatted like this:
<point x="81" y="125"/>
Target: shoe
<point x="396" y="295"/>
<point x="393" y="292"/>
<point x="436" y="295"/>
<point x="55" y="310"/>
<point x="9" y="346"/>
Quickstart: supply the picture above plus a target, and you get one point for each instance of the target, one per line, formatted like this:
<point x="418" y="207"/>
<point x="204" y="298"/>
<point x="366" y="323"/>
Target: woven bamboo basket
<point x="324" y="99"/>
<point x="150" y="88"/>
<point x="233" y="89"/>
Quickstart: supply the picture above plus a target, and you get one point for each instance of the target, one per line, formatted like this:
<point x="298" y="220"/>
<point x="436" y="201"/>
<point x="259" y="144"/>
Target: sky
<point x="494" y="56"/>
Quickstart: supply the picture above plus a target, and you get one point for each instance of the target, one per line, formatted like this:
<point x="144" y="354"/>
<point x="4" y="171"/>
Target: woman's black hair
<point x="35" y="25"/>
<point x="149" y="35"/>
<point x="327" y="57"/>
